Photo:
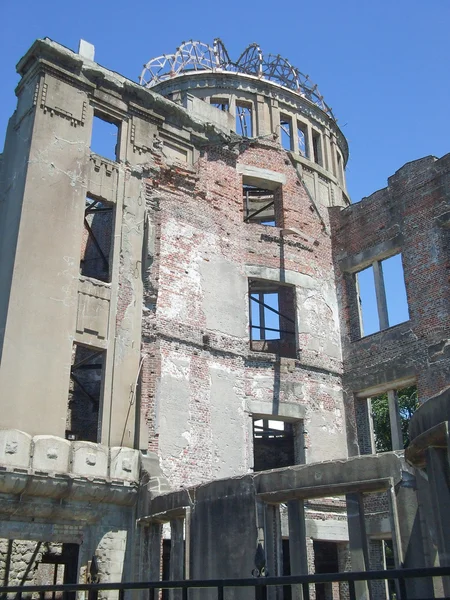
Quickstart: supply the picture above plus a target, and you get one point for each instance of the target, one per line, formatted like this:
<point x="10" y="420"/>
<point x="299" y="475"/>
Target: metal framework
<point x="195" y="56"/>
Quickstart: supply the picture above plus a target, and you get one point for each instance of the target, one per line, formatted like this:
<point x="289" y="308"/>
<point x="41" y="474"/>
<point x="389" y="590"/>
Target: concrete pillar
<point x="262" y="119"/>
<point x="358" y="541"/>
<point x="176" y="565"/>
<point x="381" y="295"/>
<point x="298" y="556"/>
<point x="154" y="552"/>
<point x="394" y="418"/>
<point x="411" y="539"/>
<point x="274" y="551"/>
<point x="440" y="500"/>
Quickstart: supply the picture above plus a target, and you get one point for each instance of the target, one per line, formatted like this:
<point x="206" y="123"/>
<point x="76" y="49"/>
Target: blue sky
<point x="382" y="66"/>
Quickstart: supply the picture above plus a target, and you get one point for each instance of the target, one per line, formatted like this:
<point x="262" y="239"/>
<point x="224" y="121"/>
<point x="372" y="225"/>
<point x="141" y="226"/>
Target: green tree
<point x="407" y="402"/>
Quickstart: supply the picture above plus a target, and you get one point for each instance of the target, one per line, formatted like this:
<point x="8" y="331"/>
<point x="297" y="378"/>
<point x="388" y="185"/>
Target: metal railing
<point x="401" y="577"/>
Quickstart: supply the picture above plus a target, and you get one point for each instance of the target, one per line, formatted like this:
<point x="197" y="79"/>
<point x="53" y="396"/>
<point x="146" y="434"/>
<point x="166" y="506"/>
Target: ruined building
<point x="184" y="374"/>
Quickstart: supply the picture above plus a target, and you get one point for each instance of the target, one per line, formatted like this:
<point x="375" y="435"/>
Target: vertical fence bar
<point x="121" y="594"/>
<point x="402" y="588"/>
<point x="184" y="593"/>
<point x="305" y="588"/>
<point x="351" y="589"/>
<point x="220" y="592"/>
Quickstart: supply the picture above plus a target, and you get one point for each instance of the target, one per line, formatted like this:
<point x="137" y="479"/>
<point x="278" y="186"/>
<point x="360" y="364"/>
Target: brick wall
<point x="195" y="315"/>
<point x="409" y="216"/>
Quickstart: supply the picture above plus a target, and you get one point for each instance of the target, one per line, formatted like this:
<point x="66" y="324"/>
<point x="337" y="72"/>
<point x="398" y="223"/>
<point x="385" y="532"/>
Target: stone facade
<point x="139" y="349"/>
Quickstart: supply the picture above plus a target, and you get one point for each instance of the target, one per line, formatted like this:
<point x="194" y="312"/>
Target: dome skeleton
<point x="196" y="56"/>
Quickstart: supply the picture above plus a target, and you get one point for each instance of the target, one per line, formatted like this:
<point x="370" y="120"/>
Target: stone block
<point x="89" y="459"/>
<point x="124" y="463"/>
<point x="51" y="454"/>
<point x="15" y="448"/>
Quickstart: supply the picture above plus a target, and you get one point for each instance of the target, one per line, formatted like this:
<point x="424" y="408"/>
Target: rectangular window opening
<point x="244" y="119"/>
<point x="272" y="318"/>
<point x="317" y="148"/>
<point x="98" y="233"/>
<point x="286" y="132"/>
<point x="302" y="137"/>
<point x="394" y="285"/>
<point x="262" y="202"/>
<point x="382" y="295"/>
<point x="105" y="137"/>
<point x="408" y="402"/>
<point x="85" y="392"/>
<point x="273" y="444"/>
<point x="220" y="104"/>
<point x="339" y="166"/>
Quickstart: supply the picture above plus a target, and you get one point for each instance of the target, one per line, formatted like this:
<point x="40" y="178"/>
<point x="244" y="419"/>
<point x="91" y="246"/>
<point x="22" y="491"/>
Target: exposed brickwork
<point x="196" y="218"/>
<point x="409" y="216"/>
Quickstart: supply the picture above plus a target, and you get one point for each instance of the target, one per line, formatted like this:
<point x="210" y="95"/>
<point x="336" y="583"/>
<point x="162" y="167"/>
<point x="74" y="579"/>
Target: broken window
<point x="272" y="318"/>
<point x="85" y="391"/>
<point x="244" y="121"/>
<point x="220" y="104"/>
<point x="97" y="239"/>
<point x="382" y="295"/>
<point x="286" y="132"/>
<point x="273" y="444"/>
<point x="317" y="147"/>
<point x="391" y="413"/>
<point x="105" y="137"/>
<point x="302" y="136"/>
<point x="262" y="202"/>
<point x="277" y="443"/>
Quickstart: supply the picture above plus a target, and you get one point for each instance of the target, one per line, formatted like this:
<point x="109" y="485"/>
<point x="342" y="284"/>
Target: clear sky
<point x="382" y="65"/>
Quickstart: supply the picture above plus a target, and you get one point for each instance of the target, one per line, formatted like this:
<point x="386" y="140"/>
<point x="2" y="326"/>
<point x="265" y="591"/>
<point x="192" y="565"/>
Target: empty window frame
<point x="317" y="147"/>
<point x="272" y="318"/>
<point x="273" y="444"/>
<point x="244" y="119"/>
<point x="286" y="132"/>
<point x="85" y="391"/>
<point x="262" y="202"/>
<point x="382" y="295"/>
<point x="302" y="139"/>
<point x="105" y="136"/>
<point x="277" y="443"/>
<point x="98" y="234"/>
<point x="221" y="104"/>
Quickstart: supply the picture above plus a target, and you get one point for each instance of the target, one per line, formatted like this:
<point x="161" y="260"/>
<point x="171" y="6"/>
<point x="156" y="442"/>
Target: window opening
<point x="259" y="205"/>
<point x="339" y="166"/>
<point x="286" y="132"/>
<point x="317" y="147"/>
<point x="97" y="239"/>
<point x="325" y="561"/>
<point x="404" y="402"/>
<point x="273" y="444"/>
<point x="85" y="389"/>
<point x="302" y="136"/>
<point x="272" y="318"/>
<point x="105" y="137"/>
<point x="394" y="285"/>
<point x="382" y="295"/>
<point x="220" y="104"/>
<point x="244" y="124"/>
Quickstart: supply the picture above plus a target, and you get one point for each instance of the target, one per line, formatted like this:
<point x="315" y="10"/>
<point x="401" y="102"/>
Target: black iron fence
<point x="405" y="581"/>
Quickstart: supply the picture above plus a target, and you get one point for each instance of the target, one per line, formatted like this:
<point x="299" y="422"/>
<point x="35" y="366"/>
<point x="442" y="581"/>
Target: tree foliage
<point x="407" y="402"/>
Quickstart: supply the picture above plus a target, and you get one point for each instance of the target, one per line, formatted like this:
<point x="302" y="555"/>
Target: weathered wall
<point x="201" y="382"/>
<point x="409" y="216"/>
